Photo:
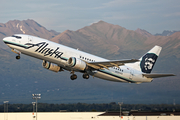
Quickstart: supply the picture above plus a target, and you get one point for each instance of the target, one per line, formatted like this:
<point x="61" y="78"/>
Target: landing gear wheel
<point x="18" y="57"/>
<point x="73" y="77"/>
<point x="85" y="76"/>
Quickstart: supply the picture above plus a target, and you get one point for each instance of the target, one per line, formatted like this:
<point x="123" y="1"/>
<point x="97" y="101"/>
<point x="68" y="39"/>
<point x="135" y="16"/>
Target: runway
<point x="88" y="116"/>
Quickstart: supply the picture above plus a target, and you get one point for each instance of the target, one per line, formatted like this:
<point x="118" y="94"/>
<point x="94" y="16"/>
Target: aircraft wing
<point x="157" y="75"/>
<point x="110" y="63"/>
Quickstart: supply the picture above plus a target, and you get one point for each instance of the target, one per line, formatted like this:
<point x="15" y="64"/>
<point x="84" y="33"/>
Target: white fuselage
<point x="59" y="54"/>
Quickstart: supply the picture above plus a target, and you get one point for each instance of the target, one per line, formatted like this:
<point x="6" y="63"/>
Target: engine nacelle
<point x="76" y="63"/>
<point x="51" y="66"/>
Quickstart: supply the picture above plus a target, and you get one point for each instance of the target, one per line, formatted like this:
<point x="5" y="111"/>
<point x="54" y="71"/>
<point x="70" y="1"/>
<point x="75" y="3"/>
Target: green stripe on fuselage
<point x="115" y="75"/>
<point x="16" y="44"/>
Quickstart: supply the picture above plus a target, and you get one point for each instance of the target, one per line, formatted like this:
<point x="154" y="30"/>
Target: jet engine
<point x="76" y="63"/>
<point x="51" y="66"/>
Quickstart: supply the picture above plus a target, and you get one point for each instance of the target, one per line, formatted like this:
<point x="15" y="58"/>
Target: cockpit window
<point x="18" y="37"/>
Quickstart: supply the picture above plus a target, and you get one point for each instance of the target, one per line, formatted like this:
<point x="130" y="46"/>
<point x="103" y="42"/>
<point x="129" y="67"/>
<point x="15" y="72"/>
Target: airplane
<point x="57" y="58"/>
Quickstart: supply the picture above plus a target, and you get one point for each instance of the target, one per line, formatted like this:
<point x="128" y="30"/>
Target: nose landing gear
<point x="17" y="52"/>
<point x="18" y="57"/>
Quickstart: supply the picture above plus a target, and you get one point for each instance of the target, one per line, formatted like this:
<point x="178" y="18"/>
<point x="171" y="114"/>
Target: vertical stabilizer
<point x="147" y="61"/>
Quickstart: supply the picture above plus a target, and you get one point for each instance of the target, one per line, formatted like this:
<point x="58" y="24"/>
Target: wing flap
<point x="110" y="63"/>
<point x="157" y="75"/>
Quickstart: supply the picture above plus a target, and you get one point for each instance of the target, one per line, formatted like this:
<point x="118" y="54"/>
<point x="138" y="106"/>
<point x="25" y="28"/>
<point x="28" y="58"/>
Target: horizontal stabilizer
<point x="157" y="75"/>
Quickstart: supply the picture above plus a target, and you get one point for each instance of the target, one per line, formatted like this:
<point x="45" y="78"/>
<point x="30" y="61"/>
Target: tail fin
<point x="147" y="61"/>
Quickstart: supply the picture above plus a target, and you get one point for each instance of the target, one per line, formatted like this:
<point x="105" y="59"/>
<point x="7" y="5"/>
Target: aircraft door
<point x="131" y="74"/>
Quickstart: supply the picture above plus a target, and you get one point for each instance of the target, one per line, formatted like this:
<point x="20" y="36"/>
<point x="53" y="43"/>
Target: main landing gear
<point x="74" y="76"/>
<point x="85" y="76"/>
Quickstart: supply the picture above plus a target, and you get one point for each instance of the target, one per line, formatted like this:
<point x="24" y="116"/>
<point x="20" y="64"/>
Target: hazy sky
<point x="60" y="15"/>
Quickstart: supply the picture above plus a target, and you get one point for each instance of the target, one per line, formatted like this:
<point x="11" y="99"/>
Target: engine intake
<point x="51" y="66"/>
<point x="76" y="63"/>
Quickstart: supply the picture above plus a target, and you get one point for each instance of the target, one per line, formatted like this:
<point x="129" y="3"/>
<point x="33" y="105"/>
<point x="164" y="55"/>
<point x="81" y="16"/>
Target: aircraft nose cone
<point x="5" y="39"/>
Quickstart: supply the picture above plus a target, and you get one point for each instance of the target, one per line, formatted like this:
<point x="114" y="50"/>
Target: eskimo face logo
<point x="148" y="62"/>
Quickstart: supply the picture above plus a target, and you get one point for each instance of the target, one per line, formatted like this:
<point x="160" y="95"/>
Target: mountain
<point x="104" y="37"/>
<point x="143" y="32"/>
<point x="20" y="79"/>
<point x="116" y="40"/>
<point x="166" y="33"/>
<point x="29" y="27"/>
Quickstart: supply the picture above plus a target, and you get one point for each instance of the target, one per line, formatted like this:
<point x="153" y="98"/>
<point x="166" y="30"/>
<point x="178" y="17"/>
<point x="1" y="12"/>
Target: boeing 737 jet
<point x="57" y="58"/>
